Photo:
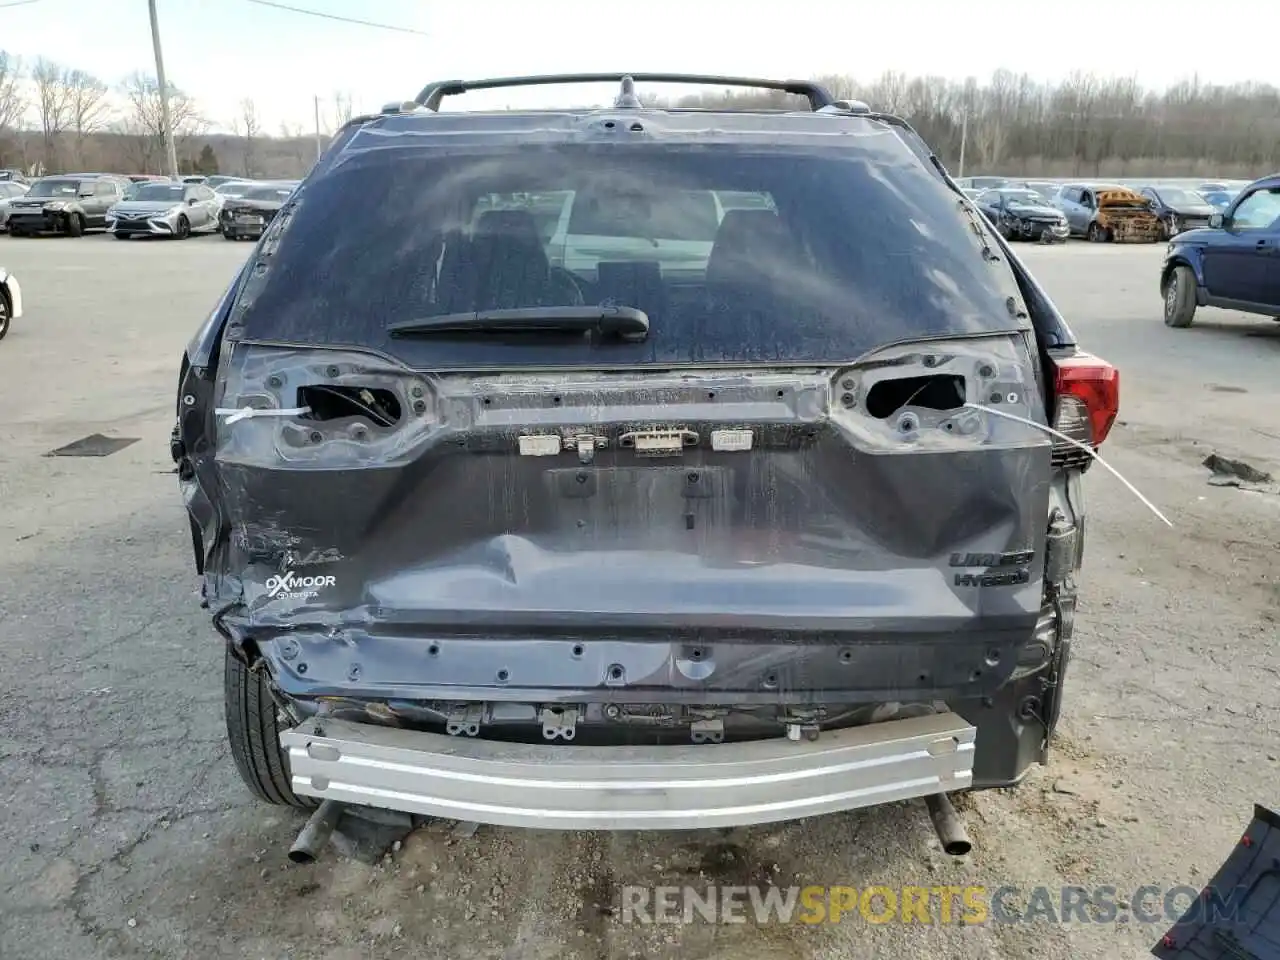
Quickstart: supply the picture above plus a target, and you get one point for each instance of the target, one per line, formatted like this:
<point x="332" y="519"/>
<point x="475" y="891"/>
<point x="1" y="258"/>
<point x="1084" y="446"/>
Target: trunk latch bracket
<point x="464" y="720"/>
<point x="559" y="722"/>
<point x="707" y="731"/>
<point x="586" y="445"/>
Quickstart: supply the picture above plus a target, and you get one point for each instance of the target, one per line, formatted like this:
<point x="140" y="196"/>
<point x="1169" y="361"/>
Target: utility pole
<point x="170" y="149"/>
<point x="964" y="137"/>
<point x="316" y="98"/>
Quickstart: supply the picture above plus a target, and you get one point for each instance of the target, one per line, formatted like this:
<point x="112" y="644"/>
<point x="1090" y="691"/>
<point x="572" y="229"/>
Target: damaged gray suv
<point x="636" y="467"/>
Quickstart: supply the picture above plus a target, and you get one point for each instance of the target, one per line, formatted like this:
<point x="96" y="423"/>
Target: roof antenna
<point x="627" y="99"/>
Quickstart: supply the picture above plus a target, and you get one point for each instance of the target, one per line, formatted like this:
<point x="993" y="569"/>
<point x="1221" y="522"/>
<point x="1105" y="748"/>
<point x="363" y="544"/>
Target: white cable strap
<point x="246" y="413"/>
<point x="1075" y="443"/>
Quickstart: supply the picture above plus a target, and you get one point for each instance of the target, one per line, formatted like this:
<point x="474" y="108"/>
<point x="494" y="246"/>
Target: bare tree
<point x="890" y="91"/>
<point x="88" y="107"/>
<point x="342" y="109"/>
<point x="143" y="123"/>
<point x="13" y="104"/>
<point x="1081" y="125"/>
<point x="1001" y="108"/>
<point x="53" y="101"/>
<point x="249" y="126"/>
<point x="299" y="143"/>
<point x="13" y="109"/>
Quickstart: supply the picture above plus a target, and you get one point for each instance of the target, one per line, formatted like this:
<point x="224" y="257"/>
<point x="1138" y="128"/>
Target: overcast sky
<point x="221" y="51"/>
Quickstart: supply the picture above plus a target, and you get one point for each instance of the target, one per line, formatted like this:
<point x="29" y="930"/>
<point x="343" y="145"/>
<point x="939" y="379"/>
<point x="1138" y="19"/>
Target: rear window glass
<point x="739" y="200"/>
<point x="650" y="213"/>
<point x="737" y="255"/>
<point x="547" y="209"/>
<point x="279" y="194"/>
<point x="171" y="192"/>
<point x="57" y="188"/>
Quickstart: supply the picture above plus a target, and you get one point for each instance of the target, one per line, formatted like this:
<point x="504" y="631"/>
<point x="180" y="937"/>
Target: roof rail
<point x="431" y="95"/>
<point x="845" y="107"/>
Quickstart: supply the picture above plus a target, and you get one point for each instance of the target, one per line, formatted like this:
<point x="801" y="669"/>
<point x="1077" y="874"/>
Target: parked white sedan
<point x="8" y="190"/>
<point x="10" y="300"/>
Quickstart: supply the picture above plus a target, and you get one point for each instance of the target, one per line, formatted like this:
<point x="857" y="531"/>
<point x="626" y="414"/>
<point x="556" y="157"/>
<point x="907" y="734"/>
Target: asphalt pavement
<point x="126" y="832"/>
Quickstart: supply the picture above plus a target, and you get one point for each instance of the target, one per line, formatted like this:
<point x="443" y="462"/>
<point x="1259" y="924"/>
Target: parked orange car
<point x="1127" y="217"/>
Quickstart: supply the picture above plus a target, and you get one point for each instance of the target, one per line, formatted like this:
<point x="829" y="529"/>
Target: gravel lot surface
<point x="126" y="831"/>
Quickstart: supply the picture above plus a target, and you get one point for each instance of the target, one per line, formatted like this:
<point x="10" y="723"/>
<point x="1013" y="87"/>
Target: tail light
<point x="1088" y="400"/>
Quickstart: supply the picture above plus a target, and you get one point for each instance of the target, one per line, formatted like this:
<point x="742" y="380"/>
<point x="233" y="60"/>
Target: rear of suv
<point x="655" y="521"/>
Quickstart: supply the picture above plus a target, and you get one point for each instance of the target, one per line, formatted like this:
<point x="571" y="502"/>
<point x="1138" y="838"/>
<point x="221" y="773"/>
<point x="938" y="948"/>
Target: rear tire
<point x="253" y="733"/>
<point x="5" y="310"/>
<point x="1180" y="297"/>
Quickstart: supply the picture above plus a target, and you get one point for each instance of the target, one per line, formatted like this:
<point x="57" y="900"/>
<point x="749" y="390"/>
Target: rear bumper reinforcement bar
<point x="629" y="787"/>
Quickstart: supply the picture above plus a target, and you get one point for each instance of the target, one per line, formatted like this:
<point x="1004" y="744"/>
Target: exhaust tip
<point x="949" y="825"/>
<point x="316" y="833"/>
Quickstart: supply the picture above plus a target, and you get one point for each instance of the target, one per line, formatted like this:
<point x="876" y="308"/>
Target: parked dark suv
<point x="1179" y="209"/>
<point x="67" y="203"/>
<point x="647" y="521"/>
<point x="1234" y="263"/>
<point x="1023" y="214"/>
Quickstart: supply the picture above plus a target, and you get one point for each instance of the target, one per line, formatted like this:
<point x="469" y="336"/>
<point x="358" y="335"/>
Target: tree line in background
<point x="57" y="118"/>
<point x="1083" y="126"/>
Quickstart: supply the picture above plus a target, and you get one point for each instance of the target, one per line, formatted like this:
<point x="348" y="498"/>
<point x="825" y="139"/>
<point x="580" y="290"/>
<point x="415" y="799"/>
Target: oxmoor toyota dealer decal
<point x="290" y="586"/>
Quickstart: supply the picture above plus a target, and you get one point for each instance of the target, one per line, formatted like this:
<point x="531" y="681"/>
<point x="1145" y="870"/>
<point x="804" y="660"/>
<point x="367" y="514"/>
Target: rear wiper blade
<point x="627" y="322"/>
